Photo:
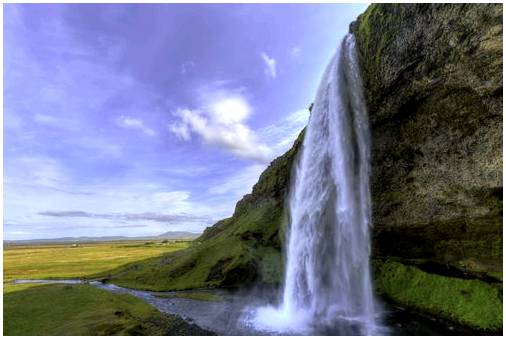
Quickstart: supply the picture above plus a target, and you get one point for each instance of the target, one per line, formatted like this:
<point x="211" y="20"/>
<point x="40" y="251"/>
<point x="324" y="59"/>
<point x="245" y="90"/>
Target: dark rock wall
<point x="433" y="79"/>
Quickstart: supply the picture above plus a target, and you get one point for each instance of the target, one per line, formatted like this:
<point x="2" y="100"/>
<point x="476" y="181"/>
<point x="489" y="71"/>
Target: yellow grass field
<point x="65" y="261"/>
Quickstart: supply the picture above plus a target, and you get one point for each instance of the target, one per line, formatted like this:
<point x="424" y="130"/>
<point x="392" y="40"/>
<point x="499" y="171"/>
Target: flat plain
<point x="83" y="260"/>
<point x="57" y="309"/>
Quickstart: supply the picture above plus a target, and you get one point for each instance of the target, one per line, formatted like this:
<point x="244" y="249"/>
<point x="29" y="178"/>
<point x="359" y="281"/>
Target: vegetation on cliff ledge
<point x="468" y="301"/>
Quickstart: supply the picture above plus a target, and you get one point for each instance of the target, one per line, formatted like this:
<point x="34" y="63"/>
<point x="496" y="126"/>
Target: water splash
<point x="327" y="279"/>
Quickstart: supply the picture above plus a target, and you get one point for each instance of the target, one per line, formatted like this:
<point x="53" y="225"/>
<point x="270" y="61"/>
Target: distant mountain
<point x="179" y="235"/>
<point x="167" y="235"/>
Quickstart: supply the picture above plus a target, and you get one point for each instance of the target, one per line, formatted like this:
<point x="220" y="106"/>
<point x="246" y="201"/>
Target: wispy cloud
<point x="187" y="67"/>
<point x="45" y="119"/>
<point x="295" y="52"/>
<point x="66" y="214"/>
<point x="221" y="121"/>
<point x="135" y="123"/>
<point x="240" y="183"/>
<point x="167" y="218"/>
<point x="281" y="135"/>
<point x="149" y="216"/>
<point x="181" y="130"/>
<point x="96" y="146"/>
<point x="270" y="65"/>
<point x="37" y="170"/>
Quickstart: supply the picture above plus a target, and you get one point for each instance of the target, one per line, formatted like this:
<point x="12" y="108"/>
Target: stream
<point x="232" y="312"/>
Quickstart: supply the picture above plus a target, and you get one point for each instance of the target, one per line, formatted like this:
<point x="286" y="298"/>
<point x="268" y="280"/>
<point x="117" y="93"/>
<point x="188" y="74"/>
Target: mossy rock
<point x="466" y="301"/>
<point x="433" y="84"/>
<point x="433" y="81"/>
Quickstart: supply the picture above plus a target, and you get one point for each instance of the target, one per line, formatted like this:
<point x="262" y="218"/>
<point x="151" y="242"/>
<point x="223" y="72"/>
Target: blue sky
<point x="142" y="119"/>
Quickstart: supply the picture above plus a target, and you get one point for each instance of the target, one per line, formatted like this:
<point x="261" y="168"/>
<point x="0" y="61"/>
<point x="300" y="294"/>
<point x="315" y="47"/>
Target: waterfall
<point x="327" y="277"/>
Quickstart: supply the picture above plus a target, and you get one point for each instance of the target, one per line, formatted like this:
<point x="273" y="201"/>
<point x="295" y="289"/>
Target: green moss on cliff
<point x="471" y="302"/>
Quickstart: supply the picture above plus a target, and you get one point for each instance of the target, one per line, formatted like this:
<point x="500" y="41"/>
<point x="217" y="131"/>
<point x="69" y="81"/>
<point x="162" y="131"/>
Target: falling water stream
<point x="327" y="278"/>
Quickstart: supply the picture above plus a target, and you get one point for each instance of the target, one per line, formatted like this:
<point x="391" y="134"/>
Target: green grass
<point x="56" y="309"/>
<point x="64" y="261"/>
<point x="467" y="301"/>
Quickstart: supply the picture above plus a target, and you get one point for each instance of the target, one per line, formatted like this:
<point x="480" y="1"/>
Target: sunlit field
<point x="66" y="261"/>
<point x="54" y="309"/>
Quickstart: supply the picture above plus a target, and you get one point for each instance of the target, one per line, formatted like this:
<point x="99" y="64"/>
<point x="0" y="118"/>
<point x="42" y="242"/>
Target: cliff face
<point x="433" y="80"/>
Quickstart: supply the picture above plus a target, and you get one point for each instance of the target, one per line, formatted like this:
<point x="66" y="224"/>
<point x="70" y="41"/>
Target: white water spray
<point x="327" y="279"/>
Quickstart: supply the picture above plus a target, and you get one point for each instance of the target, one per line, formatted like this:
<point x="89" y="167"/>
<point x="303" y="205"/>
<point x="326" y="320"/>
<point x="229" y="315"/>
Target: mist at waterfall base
<point x="327" y="287"/>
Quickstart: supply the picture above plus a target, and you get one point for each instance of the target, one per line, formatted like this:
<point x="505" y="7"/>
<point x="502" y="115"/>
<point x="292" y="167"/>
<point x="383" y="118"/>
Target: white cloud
<point x="181" y="130"/>
<point x="98" y="146"/>
<point x="45" y="119"/>
<point x="172" y="196"/>
<point x="270" y="65"/>
<point x="230" y="110"/>
<point x="295" y="52"/>
<point x="133" y="123"/>
<point x="221" y="122"/>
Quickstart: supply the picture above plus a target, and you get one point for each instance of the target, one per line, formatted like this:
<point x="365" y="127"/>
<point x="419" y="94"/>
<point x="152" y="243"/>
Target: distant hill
<point x="166" y="235"/>
<point x="179" y="235"/>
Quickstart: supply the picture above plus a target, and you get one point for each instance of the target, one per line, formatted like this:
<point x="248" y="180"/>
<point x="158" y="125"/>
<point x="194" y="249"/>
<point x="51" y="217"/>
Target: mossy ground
<point x="466" y="301"/>
<point x="56" y="309"/>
